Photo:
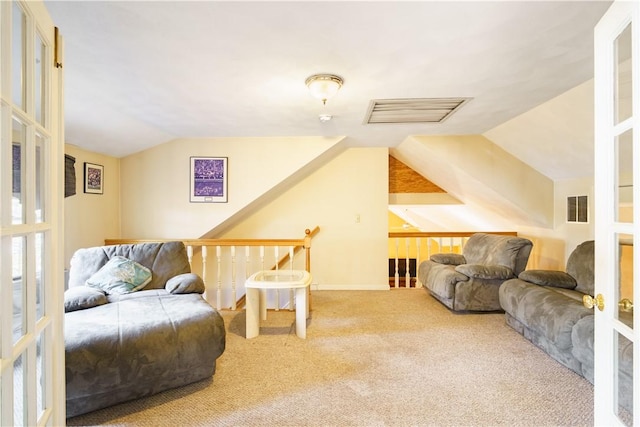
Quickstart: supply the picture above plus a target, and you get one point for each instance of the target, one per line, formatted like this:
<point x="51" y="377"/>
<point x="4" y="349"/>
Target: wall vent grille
<point x="413" y="110"/>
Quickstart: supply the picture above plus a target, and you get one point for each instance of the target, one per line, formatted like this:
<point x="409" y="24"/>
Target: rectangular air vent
<point x="413" y="110"/>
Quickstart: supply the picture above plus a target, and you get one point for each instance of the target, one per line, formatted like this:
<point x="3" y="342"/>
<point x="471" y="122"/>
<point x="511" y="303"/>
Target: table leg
<point x="263" y="304"/>
<point x="252" y="312"/>
<point x="302" y="312"/>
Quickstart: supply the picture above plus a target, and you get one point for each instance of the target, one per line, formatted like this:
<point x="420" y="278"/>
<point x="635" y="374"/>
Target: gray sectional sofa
<point x="470" y="281"/>
<point x="123" y="346"/>
<point x="546" y="308"/>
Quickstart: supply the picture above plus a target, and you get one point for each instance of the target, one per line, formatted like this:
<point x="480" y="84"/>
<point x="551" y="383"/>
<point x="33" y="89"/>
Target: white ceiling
<point x="139" y="74"/>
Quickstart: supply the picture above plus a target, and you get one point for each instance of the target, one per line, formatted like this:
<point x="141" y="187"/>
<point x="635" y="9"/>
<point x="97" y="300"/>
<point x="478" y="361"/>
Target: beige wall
<point x="553" y="246"/>
<point x="155" y="182"/>
<point x="545" y="137"/>
<point x="91" y="218"/>
<point x="346" y="254"/>
<point x="330" y="188"/>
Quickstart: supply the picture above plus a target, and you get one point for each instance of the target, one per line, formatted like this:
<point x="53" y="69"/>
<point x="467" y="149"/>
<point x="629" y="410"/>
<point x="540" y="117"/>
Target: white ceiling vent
<point x="415" y="110"/>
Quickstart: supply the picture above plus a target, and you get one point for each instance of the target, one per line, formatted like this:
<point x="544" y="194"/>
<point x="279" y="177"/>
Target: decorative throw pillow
<point x="81" y="297"/>
<point x="187" y="283"/>
<point x="120" y="276"/>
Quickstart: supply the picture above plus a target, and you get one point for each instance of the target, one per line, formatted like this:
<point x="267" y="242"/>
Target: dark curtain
<point x="69" y="175"/>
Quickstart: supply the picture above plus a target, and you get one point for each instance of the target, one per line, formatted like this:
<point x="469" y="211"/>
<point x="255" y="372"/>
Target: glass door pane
<point x="40" y="275"/>
<point x="19" y="392"/>
<point x="18" y="153"/>
<point x="18" y="56"/>
<point x="623" y="77"/>
<point x="624" y="380"/>
<point x="41" y="174"/>
<point x="39" y="79"/>
<point x="624" y="176"/>
<point x="18" y="259"/>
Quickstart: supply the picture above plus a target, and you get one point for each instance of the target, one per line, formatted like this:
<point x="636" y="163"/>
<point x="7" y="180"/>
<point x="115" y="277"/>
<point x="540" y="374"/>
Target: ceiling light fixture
<point x="324" y="86"/>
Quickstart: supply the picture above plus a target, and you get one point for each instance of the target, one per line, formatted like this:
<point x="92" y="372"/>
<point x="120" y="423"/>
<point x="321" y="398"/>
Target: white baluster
<point x="291" y="291"/>
<point x="277" y="254"/>
<point x="450" y="244"/>
<point x="418" y="244"/>
<point x="407" y="276"/>
<point x="247" y="257"/>
<point x="440" y="247"/>
<point x="262" y="257"/>
<point x="233" y="277"/>
<point x="219" y="276"/>
<point x="397" y="274"/>
<point x="190" y="256"/>
<point x="203" y="251"/>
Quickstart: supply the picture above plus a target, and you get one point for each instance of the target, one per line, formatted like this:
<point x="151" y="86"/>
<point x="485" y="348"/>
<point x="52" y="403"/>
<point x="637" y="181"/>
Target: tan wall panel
<point x="403" y="179"/>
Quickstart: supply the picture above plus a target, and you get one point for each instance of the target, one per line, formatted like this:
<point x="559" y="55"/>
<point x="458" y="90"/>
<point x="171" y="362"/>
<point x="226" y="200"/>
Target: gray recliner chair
<point x="470" y="281"/>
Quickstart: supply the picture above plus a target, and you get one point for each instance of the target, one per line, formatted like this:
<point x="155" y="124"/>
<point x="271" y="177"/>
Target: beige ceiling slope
<point x="478" y="172"/>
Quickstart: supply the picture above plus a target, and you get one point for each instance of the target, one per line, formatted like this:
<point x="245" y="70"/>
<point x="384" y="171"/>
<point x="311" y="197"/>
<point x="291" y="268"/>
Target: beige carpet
<point x="371" y="358"/>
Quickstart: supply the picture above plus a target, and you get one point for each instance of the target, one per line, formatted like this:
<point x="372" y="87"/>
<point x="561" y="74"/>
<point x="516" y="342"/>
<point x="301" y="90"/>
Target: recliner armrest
<point x="555" y="278"/>
<point x="450" y="259"/>
<point x="481" y="271"/>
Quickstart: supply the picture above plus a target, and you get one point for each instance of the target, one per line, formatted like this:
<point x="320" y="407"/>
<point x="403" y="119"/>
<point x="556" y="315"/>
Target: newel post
<point x="307" y="248"/>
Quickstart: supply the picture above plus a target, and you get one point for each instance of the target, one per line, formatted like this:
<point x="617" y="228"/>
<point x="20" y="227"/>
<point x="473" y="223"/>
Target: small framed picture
<point x="208" y="180"/>
<point x="93" y="178"/>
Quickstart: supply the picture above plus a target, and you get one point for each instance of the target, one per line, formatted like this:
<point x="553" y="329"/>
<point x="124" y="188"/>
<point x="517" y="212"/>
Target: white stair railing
<point x="233" y="265"/>
<point x="410" y="245"/>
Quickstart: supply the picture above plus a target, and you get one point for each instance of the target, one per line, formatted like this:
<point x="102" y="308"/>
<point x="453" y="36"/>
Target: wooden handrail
<point x="304" y="242"/>
<point x="447" y="233"/>
<point x="298" y="244"/>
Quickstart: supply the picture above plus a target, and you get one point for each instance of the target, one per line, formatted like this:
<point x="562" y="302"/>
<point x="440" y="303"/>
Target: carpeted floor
<point x="371" y="358"/>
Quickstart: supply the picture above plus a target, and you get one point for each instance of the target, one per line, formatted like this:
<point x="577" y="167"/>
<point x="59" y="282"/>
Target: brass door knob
<point x="590" y="302"/>
<point x="625" y="304"/>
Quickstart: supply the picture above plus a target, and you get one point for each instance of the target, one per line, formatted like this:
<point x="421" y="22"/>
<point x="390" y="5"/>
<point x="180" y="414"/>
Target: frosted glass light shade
<point x="324" y="86"/>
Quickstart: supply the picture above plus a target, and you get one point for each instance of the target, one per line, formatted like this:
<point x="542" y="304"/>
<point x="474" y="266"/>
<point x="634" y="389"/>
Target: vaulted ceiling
<point x="139" y="74"/>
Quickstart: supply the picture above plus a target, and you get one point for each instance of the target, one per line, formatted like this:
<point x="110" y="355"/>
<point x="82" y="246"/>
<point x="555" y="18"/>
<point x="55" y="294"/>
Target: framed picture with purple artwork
<point x="93" y="178"/>
<point x="208" y="180"/>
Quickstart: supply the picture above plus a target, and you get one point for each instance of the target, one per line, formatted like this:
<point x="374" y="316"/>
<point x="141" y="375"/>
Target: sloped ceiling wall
<point x="477" y="172"/>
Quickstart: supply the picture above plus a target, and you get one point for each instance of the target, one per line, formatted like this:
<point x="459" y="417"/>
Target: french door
<point x="31" y="155"/>
<point x="617" y="221"/>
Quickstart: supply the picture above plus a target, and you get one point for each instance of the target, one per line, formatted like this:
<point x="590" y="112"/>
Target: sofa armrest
<point x="558" y="279"/>
<point x="481" y="271"/>
<point x="450" y="259"/>
<point x="186" y="283"/>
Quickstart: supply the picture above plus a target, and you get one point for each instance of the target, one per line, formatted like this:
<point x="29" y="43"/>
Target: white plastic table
<point x="256" y="306"/>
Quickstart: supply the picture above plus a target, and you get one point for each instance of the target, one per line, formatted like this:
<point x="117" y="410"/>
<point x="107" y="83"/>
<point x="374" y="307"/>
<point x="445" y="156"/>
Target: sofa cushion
<point x="120" y="276"/>
<point x="451" y="259"/>
<point x="82" y="297"/>
<point x="580" y="265"/>
<point x="558" y="279"/>
<point x="485" y="271"/>
<point x="542" y="310"/>
<point x="492" y="249"/>
<point x="187" y="283"/>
